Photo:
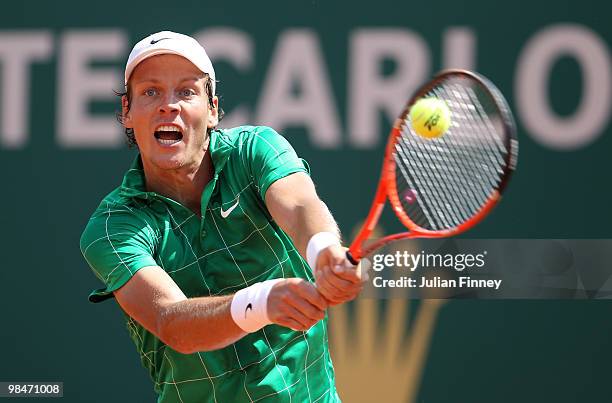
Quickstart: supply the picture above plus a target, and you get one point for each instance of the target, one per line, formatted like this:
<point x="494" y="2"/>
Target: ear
<point x="213" y="115"/>
<point x="125" y="113"/>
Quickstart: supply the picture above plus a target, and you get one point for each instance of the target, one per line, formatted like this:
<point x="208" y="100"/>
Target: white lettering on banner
<point x="459" y="48"/>
<point x="531" y="86"/>
<point x="370" y="92"/>
<point x="298" y="63"/>
<point x="18" y="49"/>
<point x="296" y="91"/>
<point x="79" y="84"/>
<point x="234" y="46"/>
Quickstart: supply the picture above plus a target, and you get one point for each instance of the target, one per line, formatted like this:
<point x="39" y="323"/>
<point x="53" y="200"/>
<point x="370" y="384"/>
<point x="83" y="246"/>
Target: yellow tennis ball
<point x="430" y="117"/>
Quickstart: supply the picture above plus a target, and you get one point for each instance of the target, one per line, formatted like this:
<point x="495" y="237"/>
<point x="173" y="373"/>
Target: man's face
<point x="169" y="112"/>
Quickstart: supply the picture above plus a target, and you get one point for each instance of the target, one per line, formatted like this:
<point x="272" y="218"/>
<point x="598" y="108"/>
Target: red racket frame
<point x="387" y="183"/>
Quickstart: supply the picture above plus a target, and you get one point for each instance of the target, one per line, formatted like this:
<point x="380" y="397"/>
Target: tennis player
<point x="210" y="243"/>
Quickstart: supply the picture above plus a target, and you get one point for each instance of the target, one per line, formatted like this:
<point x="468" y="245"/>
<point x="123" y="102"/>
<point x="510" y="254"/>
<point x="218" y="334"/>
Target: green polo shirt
<point x="234" y="245"/>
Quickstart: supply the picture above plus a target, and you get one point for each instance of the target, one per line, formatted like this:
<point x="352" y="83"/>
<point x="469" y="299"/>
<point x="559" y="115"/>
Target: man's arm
<point x="154" y="300"/>
<point x="295" y="206"/>
<point x="188" y="325"/>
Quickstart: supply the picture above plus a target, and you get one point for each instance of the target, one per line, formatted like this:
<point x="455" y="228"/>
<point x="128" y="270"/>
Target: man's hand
<point x="296" y="304"/>
<point x="336" y="278"/>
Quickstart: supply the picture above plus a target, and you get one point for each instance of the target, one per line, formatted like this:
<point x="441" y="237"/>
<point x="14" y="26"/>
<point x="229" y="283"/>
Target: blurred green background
<point x="328" y="75"/>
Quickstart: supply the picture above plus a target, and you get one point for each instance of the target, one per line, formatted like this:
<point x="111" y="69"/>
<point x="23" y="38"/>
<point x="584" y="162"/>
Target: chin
<point x="168" y="162"/>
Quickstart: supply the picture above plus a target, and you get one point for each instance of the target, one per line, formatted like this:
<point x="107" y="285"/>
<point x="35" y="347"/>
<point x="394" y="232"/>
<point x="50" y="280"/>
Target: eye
<point x="187" y="92"/>
<point x="150" y="92"/>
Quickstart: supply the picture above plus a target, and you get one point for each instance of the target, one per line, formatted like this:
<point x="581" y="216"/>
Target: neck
<point x="184" y="185"/>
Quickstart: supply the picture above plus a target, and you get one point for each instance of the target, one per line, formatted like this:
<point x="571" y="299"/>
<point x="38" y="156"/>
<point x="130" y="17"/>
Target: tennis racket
<point x="439" y="187"/>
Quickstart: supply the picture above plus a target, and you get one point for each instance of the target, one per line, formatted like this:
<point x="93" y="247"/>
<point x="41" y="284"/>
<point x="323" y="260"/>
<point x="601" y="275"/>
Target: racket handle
<point x="351" y="259"/>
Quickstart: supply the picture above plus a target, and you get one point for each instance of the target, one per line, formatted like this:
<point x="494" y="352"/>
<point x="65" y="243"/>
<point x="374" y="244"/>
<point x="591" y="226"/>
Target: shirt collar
<point x="134" y="184"/>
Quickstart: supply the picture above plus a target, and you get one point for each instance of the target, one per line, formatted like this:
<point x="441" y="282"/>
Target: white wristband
<point x="250" y="306"/>
<point x="317" y="243"/>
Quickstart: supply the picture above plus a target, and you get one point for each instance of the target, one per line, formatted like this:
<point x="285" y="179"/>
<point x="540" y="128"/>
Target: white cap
<point x="167" y="42"/>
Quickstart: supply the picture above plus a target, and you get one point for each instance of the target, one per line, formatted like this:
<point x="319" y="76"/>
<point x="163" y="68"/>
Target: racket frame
<point x="387" y="184"/>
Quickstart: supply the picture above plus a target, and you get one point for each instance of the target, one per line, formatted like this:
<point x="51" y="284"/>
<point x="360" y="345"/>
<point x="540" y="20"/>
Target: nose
<point x="170" y="103"/>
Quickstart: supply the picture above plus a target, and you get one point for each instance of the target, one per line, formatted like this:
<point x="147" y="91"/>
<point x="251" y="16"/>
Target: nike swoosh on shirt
<point x="227" y="212"/>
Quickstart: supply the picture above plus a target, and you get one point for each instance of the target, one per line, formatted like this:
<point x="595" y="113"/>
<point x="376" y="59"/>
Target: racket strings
<point x="436" y="199"/>
<point x="420" y="184"/>
<point x="493" y="144"/>
<point x="423" y="160"/>
<point x="476" y="155"/>
<point x="493" y="140"/>
<point x="419" y="161"/>
<point x="434" y="203"/>
<point x="440" y="161"/>
<point x="423" y="212"/>
<point x="443" y="182"/>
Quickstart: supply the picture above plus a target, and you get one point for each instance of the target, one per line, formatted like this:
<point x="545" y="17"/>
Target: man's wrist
<point x="317" y="243"/>
<point x="249" y="306"/>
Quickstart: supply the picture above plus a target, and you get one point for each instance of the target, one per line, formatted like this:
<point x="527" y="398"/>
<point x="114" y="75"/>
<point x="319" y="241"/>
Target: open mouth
<point x="168" y="135"/>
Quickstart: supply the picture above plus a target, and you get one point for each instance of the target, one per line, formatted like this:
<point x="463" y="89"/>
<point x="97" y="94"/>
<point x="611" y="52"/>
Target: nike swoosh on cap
<point x="154" y="41"/>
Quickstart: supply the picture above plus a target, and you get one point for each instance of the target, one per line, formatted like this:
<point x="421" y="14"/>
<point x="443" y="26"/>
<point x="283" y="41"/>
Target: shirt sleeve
<point x="272" y="158"/>
<point x="116" y="244"/>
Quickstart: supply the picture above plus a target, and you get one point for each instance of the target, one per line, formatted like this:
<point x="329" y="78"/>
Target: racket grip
<point x="351" y="259"/>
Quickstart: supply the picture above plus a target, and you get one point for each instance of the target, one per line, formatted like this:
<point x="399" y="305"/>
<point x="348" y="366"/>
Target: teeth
<point x="168" y="142"/>
<point x="168" y="129"/>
